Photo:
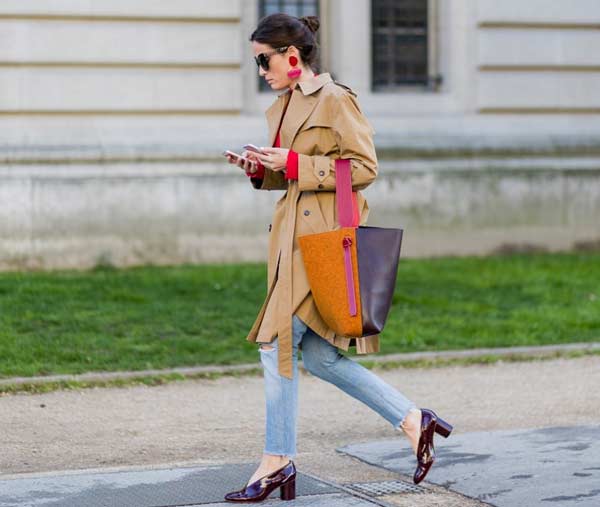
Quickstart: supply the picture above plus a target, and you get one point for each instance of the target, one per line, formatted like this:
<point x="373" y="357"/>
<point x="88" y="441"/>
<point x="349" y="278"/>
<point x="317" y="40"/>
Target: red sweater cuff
<point x="260" y="172"/>
<point x="292" y="165"/>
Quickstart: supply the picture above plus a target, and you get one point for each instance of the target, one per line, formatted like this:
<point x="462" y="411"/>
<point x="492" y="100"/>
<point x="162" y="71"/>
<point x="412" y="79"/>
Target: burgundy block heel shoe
<point x="430" y="424"/>
<point x="284" y="478"/>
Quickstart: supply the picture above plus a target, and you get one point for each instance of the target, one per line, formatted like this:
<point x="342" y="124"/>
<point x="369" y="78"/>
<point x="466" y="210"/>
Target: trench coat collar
<point x="310" y="86"/>
<point x="313" y="84"/>
<point x="300" y="106"/>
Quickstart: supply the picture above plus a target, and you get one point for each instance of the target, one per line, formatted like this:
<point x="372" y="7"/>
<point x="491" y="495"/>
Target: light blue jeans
<point x="323" y="360"/>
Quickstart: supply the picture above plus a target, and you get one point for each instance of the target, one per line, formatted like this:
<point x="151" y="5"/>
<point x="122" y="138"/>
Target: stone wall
<point x="113" y="116"/>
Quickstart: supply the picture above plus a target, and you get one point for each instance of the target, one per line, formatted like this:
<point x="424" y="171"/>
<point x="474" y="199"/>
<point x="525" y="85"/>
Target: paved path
<point x="516" y="468"/>
<point x="202" y="423"/>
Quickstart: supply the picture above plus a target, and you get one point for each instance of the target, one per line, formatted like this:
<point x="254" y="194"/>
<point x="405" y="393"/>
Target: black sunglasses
<point x="262" y="60"/>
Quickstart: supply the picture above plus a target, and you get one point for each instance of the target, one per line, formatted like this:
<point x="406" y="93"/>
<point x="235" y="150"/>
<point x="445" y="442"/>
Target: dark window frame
<point x="401" y="39"/>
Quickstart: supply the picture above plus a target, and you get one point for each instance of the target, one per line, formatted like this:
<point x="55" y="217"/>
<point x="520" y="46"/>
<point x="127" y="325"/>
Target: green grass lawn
<point x="158" y="317"/>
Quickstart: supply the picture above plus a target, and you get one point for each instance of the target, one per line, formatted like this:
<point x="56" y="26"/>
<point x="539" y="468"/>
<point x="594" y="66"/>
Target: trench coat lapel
<point x="273" y="114"/>
<point x="299" y="110"/>
<point x="303" y="101"/>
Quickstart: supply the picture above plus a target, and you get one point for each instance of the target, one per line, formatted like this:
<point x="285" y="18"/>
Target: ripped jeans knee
<point x="298" y="330"/>
<point x="269" y="346"/>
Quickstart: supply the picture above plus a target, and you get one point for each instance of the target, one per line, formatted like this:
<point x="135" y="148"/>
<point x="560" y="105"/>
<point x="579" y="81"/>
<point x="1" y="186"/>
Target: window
<point x="296" y="8"/>
<point x="400" y="44"/>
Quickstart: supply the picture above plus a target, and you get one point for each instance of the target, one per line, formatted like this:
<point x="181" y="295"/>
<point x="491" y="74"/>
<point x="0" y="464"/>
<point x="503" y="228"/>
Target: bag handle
<point x="348" y="217"/>
<point x="347" y="206"/>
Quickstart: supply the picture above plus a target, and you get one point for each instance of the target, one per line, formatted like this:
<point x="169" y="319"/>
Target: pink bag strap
<point x="347" y="206"/>
<point x="348" y="217"/>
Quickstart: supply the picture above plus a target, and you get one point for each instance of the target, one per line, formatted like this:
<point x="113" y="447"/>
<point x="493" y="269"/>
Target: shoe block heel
<point x="443" y="428"/>
<point x="287" y="491"/>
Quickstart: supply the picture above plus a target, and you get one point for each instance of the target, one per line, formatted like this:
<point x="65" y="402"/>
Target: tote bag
<point x="352" y="270"/>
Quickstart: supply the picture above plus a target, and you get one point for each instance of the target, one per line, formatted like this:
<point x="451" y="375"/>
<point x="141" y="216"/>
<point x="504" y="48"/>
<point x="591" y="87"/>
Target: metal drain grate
<point x="385" y="487"/>
<point x="143" y="488"/>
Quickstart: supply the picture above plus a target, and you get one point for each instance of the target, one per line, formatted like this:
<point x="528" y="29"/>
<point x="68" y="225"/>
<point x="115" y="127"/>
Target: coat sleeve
<point x="271" y="180"/>
<point x="354" y="137"/>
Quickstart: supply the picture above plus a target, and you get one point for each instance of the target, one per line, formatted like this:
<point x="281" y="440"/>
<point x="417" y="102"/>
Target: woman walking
<point x="313" y="122"/>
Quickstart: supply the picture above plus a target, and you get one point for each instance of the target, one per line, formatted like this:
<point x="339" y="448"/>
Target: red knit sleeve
<point x="259" y="174"/>
<point x="292" y="165"/>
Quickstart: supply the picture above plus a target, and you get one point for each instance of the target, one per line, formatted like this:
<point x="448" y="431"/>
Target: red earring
<point x="294" y="73"/>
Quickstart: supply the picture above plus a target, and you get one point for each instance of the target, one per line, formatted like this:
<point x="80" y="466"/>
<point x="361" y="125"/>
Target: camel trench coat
<point x="323" y="122"/>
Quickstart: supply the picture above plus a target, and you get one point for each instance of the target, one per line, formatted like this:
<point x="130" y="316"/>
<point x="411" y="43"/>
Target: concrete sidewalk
<point x="525" y="468"/>
<point x="178" y="431"/>
<point x="191" y="486"/>
<point x="205" y="486"/>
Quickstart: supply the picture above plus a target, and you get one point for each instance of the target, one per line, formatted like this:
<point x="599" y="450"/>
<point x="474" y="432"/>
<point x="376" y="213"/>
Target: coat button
<point x="321" y="173"/>
<point x="306" y="212"/>
<point x="320" y="185"/>
<point x="270" y="225"/>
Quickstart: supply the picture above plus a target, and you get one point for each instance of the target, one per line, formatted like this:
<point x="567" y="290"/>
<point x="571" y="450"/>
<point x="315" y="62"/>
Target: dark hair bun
<point x="312" y="22"/>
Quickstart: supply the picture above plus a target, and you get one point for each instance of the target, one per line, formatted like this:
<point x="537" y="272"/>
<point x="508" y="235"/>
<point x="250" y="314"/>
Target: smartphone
<point x="255" y="149"/>
<point x="234" y="154"/>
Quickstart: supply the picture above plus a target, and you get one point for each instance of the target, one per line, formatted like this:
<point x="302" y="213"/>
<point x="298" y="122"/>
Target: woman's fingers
<point x="265" y="159"/>
<point x="231" y="159"/>
<point x="244" y="163"/>
<point x="240" y="162"/>
<point x="249" y="166"/>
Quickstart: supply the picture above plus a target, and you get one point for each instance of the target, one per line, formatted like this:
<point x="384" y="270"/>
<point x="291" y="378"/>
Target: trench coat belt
<point x="285" y="301"/>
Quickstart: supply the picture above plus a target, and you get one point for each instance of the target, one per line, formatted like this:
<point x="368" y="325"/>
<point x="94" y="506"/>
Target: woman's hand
<point x="248" y="163"/>
<point x="275" y="158"/>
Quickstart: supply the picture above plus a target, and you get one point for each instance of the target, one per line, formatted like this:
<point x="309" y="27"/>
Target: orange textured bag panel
<point x="324" y="261"/>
